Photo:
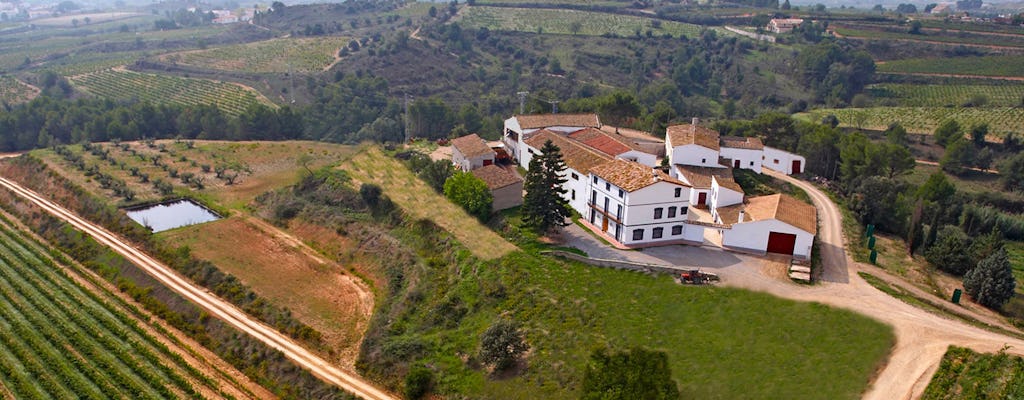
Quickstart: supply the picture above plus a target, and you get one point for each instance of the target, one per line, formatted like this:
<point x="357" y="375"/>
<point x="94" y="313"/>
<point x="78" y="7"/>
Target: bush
<point x="634" y="374"/>
<point x="991" y="284"/>
<point x="950" y="252"/>
<point x="418" y="382"/>
<point x="502" y="344"/>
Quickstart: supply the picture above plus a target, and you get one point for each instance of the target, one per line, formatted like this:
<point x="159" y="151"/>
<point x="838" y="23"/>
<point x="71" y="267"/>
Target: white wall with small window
<point x="693" y="154"/>
<point x="647" y="159"/>
<point x="743" y="158"/>
<point x="783" y="161"/>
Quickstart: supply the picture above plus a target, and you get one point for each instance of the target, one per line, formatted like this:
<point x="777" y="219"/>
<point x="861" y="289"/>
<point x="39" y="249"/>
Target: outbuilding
<point x="776" y="223"/>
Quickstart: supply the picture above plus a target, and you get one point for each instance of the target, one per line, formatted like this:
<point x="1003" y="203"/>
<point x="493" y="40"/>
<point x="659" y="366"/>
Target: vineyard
<point x="561" y="22"/>
<point x="984" y="66"/>
<point x="910" y="95"/>
<point x="304" y="55"/>
<point x="925" y="119"/>
<point x="87" y="63"/>
<point x="13" y="91"/>
<point x="961" y="37"/>
<point x="59" y="340"/>
<point x="122" y="84"/>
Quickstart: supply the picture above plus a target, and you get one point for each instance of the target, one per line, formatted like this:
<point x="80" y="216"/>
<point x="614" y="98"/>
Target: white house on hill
<point x="640" y="206"/>
<point x="521" y="127"/>
<point x="776" y="223"/>
<point x="692" y="145"/>
<point x="743" y="152"/>
<point x="471" y="152"/>
<point x="579" y="159"/>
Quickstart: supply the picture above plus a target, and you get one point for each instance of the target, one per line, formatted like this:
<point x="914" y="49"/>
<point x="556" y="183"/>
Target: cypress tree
<point x="544" y="205"/>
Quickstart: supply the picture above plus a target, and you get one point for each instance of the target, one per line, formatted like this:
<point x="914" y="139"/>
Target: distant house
<point x="783" y="25"/>
<point x="519" y="128"/>
<point x="776" y="223"/>
<point x="942" y="8"/>
<point x="691" y="144"/>
<point x="471" y="152"/>
<point x="505" y="186"/>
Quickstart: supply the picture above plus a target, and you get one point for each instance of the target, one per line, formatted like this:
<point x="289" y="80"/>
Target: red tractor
<point x="697" y="277"/>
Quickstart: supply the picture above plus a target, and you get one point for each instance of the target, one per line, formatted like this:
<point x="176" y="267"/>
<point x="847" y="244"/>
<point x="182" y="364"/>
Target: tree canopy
<point x="991" y="284"/>
<point x="470" y="193"/>
<point x="632" y="374"/>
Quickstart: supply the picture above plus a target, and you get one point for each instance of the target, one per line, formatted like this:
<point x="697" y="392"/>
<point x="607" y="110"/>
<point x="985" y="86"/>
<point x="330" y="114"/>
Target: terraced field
<point x="1005" y="95"/>
<point x="124" y="84"/>
<point x="59" y="340"/>
<point x="13" y="91"/>
<point x="925" y="119"/>
<point x="983" y="66"/>
<point x="561" y="21"/>
<point x="304" y="55"/>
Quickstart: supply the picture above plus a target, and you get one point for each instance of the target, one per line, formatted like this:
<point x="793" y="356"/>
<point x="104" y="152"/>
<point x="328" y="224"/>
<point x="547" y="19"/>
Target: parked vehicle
<point x="697" y="277"/>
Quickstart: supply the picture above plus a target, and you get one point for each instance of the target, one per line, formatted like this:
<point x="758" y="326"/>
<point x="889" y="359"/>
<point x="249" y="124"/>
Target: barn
<point x="777" y="223"/>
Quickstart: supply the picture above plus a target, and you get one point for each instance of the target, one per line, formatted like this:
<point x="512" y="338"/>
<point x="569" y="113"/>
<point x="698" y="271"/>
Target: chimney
<point x="740" y="218"/>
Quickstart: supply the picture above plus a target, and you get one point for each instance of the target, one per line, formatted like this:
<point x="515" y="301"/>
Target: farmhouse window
<point x="751" y="163"/>
<point x="672" y="212"/>
<point x="657" y="213"/>
<point x="682" y="210"/>
<point x="620" y="193"/>
<point x="638" y="234"/>
<point x="595" y="180"/>
<point x="679" y="192"/>
<point x="606" y="204"/>
<point x="703" y="161"/>
<point x="574" y="194"/>
<point x="618" y="213"/>
<point x="607" y="187"/>
<point x="776" y="160"/>
<point x="574" y="176"/>
<point x="593" y="197"/>
<point x="656" y="234"/>
<point x="677" y="230"/>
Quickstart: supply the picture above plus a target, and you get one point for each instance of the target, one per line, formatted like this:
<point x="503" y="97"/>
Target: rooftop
<point x="700" y="177"/>
<point x="685" y="134"/>
<point x="577" y="156"/>
<point x="604" y="142"/>
<point x="632" y="176"/>
<point x="535" y="121"/>
<point x="784" y="208"/>
<point x="496" y="177"/>
<point x="737" y="142"/>
<point x="471" y="146"/>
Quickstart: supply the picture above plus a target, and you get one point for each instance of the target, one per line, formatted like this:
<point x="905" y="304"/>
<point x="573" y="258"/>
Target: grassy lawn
<point x="722" y="343"/>
<point x="965" y="374"/>
<point x="421" y="202"/>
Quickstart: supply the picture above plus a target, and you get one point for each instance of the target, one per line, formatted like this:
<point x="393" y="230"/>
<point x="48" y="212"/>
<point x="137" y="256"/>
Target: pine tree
<point x="991" y="283"/>
<point x="544" y="205"/>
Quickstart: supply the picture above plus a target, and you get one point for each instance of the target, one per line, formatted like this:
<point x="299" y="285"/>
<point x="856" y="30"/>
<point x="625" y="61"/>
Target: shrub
<point x="418" y="382"/>
<point x="633" y="374"/>
<point x="950" y="252"/>
<point x="502" y="344"/>
<point x="991" y="284"/>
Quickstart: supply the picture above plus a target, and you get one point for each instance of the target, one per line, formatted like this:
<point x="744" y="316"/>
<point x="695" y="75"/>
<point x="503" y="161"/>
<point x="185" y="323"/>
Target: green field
<point x="560" y="21"/>
<point x="982" y="66"/>
<point x="58" y="340"/>
<point x="1010" y="94"/>
<point x="303" y="55"/>
<point x="965" y="374"/>
<point x="925" y="119"/>
<point x="962" y="38"/>
<point x="14" y="91"/>
<point x="125" y="85"/>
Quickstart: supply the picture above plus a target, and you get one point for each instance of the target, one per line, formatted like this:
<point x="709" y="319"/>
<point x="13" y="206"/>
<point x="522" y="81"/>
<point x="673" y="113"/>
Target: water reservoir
<point x="173" y="214"/>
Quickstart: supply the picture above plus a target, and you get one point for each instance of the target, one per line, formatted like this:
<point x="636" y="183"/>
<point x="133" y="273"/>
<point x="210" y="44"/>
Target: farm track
<point x="217" y="307"/>
<point x="921" y="337"/>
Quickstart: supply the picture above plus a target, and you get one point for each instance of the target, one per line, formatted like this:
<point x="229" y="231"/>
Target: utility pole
<point x="291" y="77"/>
<point x="407" y="100"/>
<point x="554" y="106"/>
<point x="522" y="101"/>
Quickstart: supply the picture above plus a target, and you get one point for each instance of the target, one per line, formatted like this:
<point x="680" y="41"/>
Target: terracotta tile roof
<point x="496" y="177"/>
<point x="535" y="121"/>
<point x="577" y="156"/>
<point x="784" y="208"/>
<point x="729" y="183"/>
<point x="730" y="214"/>
<point x="471" y="146"/>
<point x="632" y="176"/>
<point x="737" y="142"/>
<point x="685" y="134"/>
<point x="602" y="141"/>
<point x="700" y="177"/>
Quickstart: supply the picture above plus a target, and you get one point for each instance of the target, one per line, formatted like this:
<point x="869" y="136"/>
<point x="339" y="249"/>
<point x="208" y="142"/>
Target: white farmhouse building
<point x="521" y="127"/>
<point x="776" y="223"/>
<point x="640" y="206"/>
<point x="471" y="152"/>
<point x="783" y="161"/>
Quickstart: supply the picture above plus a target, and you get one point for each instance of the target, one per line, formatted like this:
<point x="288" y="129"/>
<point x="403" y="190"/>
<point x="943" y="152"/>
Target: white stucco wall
<point x="782" y="161"/>
<point x="754" y="236"/>
<point x="723" y="196"/>
<point x="695" y="155"/>
<point x="468" y="164"/>
<point x="749" y="159"/>
<point x="647" y="159"/>
<point x="581" y="188"/>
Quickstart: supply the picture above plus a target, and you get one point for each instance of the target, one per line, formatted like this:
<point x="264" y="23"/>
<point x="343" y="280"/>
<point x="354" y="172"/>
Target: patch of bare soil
<point x="280" y="267"/>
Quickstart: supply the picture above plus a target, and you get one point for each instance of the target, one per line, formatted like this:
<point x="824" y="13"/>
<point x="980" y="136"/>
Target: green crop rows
<point x="13" y="91"/>
<point x="304" y="55"/>
<point x="560" y="22"/>
<point x="1006" y="95"/>
<point x="984" y="66"/>
<point x="959" y="38"/>
<point x="59" y="340"/>
<point x="122" y="84"/>
<point x="925" y="119"/>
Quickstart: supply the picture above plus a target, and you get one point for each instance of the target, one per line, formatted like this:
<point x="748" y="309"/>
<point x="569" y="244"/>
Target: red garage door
<point x="782" y="243"/>
<point x="796" y="167"/>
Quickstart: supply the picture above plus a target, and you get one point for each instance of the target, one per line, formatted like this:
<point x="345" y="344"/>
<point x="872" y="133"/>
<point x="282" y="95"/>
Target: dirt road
<point x="921" y="337"/>
<point x="216" y="306"/>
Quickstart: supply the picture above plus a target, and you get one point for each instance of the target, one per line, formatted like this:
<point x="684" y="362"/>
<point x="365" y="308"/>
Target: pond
<point x="170" y="215"/>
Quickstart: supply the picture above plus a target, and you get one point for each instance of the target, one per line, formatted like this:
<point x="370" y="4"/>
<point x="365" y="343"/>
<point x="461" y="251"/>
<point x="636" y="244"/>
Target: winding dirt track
<point x="216" y="306"/>
<point x="921" y="337"/>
